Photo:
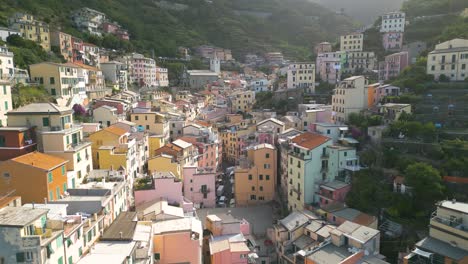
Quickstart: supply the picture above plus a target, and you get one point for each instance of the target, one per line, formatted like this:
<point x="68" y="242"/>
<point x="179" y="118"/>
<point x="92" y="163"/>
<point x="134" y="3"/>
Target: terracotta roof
<point x="202" y="123"/>
<point x="400" y="179"/>
<point x="115" y="130"/>
<point x="192" y="140"/>
<point x="310" y="140"/>
<point x="455" y="179"/>
<point x="40" y="160"/>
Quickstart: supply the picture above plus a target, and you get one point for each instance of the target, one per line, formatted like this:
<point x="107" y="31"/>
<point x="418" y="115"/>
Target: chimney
<point x="121" y="234"/>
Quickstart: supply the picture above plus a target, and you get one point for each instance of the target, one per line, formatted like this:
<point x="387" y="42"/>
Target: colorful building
<point x="164" y="186"/>
<point x="48" y="175"/>
<point x="169" y="235"/>
<point x="199" y="185"/>
<point x="153" y="122"/>
<point x="165" y="163"/>
<point x="392" y="41"/>
<point x="449" y="59"/>
<point x="301" y="75"/>
<point x="31" y="29"/>
<point x="328" y="66"/>
<point x="352" y="42"/>
<point x="393" y="22"/>
<point x="255" y="177"/>
<point x="6" y="103"/>
<point x="393" y="65"/>
<point x="63" y="42"/>
<point x="350" y="96"/>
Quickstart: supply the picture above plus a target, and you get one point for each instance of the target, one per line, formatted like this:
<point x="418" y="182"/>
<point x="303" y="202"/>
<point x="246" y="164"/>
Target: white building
<point x="350" y="96"/>
<point x="115" y="73"/>
<point x="393" y="22"/>
<point x="352" y="61"/>
<point x="449" y="58"/>
<point x="107" y="116"/>
<point x="7" y="67"/>
<point x="6" y="32"/>
<point x="352" y="42"/>
<point x="301" y="75"/>
<point x="215" y="65"/>
<point x="260" y="85"/>
<point x="88" y="20"/>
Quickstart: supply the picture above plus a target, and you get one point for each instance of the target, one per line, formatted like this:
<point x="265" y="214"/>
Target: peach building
<point x="178" y="241"/>
<point x="255" y="177"/>
<point x="48" y="175"/>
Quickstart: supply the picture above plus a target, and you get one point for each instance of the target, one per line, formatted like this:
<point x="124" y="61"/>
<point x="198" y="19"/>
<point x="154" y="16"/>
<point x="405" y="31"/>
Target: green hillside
<point x="291" y="26"/>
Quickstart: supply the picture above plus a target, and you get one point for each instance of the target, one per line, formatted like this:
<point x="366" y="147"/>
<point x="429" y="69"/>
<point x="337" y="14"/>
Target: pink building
<point x="165" y="186"/>
<point x="120" y="106"/>
<point x="392" y="41"/>
<point x="393" y="65"/>
<point x="323" y="47"/>
<point x="229" y="249"/>
<point x="143" y="70"/>
<point x="109" y="27"/>
<point x="199" y="185"/>
<point x="328" y="67"/>
<point x="77" y="50"/>
<point x="333" y="192"/>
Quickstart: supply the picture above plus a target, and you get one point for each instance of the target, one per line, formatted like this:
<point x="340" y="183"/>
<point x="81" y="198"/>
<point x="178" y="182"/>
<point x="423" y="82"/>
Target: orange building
<point x="255" y="177"/>
<point x="35" y="177"/>
<point x="16" y="141"/>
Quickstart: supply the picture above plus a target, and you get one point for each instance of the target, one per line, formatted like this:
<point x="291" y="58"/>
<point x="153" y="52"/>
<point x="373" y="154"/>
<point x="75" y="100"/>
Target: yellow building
<point x="242" y="101"/>
<point x="60" y="80"/>
<point x="231" y="144"/>
<point x="31" y="29"/>
<point x="155" y="142"/>
<point x="352" y="42"/>
<point x="110" y="136"/>
<point x="165" y="162"/>
<point x="255" y="177"/>
<point x="152" y="122"/>
<point x="111" y="157"/>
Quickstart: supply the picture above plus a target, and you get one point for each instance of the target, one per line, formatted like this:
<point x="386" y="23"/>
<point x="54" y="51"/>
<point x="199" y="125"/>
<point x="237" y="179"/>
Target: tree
<point x="426" y="185"/>
<point x="79" y="110"/>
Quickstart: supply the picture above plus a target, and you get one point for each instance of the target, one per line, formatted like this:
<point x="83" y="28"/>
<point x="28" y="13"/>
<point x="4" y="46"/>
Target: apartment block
<point x="301" y="75"/>
<point x="255" y="176"/>
<point x="63" y="42"/>
<point x="323" y="47"/>
<point x="450" y="59"/>
<point x="355" y="61"/>
<point x="448" y="233"/>
<point x="352" y="42"/>
<point x="60" y="80"/>
<point x="31" y="29"/>
<point x="6" y="103"/>
<point x="152" y="122"/>
<point x="392" y="41"/>
<point x="393" y="22"/>
<point x="199" y="186"/>
<point x="329" y="66"/>
<point x="350" y="96"/>
<point x="116" y="74"/>
<point x="16" y="141"/>
<point x="88" y="20"/>
<point x="393" y="65"/>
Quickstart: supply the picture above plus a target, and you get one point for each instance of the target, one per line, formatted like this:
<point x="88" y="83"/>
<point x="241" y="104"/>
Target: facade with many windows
<point x="449" y="59"/>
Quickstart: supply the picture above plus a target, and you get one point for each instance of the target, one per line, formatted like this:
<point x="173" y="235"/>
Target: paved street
<point x="259" y="217"/>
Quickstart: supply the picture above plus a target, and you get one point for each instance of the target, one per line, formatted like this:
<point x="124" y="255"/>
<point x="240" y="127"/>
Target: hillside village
<point x="357" y="154"/>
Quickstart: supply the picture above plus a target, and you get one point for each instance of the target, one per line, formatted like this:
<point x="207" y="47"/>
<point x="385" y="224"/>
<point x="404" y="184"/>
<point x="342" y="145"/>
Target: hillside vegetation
<point x="291" y="26"/>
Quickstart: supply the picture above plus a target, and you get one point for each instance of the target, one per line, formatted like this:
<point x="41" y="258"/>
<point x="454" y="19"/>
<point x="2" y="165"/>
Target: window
<point x="267" y="177"/>
<point x="52" y="80"/>
<point x="60" y="260"/>
<point x="136" y="117"/>
<point x="157" y="256"/>
<point x="49" y="177"/>
<point x="266" y="166"/>
<point x="2" y="141"/>
<point x="253" y="188"/>
<point x="80" y="251"/>
<point x="58" y="192"/>
<point x="463" y="66"/>
<point x="70" y="259"/>
<point x="4" y="90"/>
<point x="267" y="155"/>
<point x="20" y="257"/>
<point x="51" y="195"/>
<point x="261" y="188"/>
<point x="345" y="153"/>
<point x="260" y="177"/>
<point x="433" y="68"/>
<point x="45" y="121"/>
<point x="250" y="177"/>
<point x="59" y="241"/>
<point x="253" y="197"/>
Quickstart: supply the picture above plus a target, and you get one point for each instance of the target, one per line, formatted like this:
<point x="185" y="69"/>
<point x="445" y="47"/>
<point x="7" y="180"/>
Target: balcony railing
<point x="456" y="223"/>
<point x="324" y="156"/>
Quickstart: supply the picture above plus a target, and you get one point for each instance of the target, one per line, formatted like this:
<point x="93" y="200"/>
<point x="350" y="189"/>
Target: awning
<point x="422" y="253"/>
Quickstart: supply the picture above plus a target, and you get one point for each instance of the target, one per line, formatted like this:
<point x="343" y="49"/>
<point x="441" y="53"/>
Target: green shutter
<point x="4" y="90"/>
<point x="51" y="195"/>
<point x="45" y="121"/>
<point x="63" y="170"/>
<point x="65" y="187"/>
<point x="58" y="192"/>
<point x="60" y="260"/>
<point x="6" y="105"/>
<point x="59" y="241"/>
<point x="49" y="177"/>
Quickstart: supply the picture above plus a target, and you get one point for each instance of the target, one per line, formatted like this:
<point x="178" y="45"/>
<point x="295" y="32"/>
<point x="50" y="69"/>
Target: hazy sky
<point x="365" y="11"/>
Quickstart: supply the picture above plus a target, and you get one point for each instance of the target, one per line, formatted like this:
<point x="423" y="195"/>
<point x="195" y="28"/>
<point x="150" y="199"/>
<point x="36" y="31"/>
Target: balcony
<point x="75" y="146"/>
<point x="453" y="225"/>
<point x="324" y="156"/>
<point x="298" y="155"/>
